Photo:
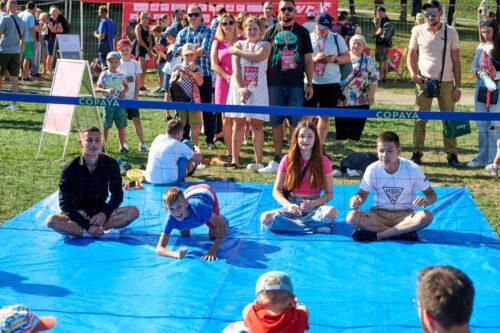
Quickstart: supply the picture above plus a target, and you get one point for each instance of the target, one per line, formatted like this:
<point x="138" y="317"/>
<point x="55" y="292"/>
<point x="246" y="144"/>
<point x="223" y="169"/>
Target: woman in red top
<point x="302" y="176"/>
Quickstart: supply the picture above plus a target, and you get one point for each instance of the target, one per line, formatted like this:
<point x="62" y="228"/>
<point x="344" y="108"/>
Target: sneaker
<point x="337" y="173"/>
<point x="143" y="89"/>
<point x="12" y="107"/>
<point x="144" y="147"/>
<point x="453" y="161"/>
<point x="475" y="164"/>
<point x="123" y="150"/>
<point x="492" y="169"/>
<point x="111" y="233"/>
<point x="323" y="230"/>
<point x="27" y="79"/>
<point x="353" y="173"/>
<point x="364" y="236"/>
<point x="220" y="140"/>
<point x="158" y="90"/>
<point x="201" y="167"/>
<point x="211" y="146"/>
<point x="270" y="169"/>
<point x="416" y="158"/>
<point x="254" y="167"/>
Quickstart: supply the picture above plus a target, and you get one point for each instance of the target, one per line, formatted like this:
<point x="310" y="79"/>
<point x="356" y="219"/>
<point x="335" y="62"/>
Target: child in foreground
<point x="275" y="309"/>
<point x="395" y="181"/>
<point x="197" y="206"/>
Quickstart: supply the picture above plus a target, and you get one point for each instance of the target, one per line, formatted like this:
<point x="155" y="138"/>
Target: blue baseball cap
<point x="325" y="21"/>
<point x="172" y="31"/>
<point x="113" y="55"/>
<point x="274" y="280"/>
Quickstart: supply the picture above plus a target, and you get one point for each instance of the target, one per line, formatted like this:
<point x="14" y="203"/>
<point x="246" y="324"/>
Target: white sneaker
<point x="353" y="173"/>
<point x="337" y="173"/>
<point x="144" y="147"/>
<point x="201" y="167"/>
<point x="12" y="107"/>
<point x="254" y="167"/>
<point x="270" y="169"/>
<point x="492" y="169"/>
<point x="475" y="164"/>
<point x="111" y="233"/>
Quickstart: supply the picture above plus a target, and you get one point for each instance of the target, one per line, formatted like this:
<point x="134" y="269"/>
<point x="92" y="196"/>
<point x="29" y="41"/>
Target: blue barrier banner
<point x="274" y="110"/>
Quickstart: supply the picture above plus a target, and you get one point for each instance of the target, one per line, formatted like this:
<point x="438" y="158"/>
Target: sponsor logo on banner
<point x="139" y="7"/>
<point x="164" y="7"/>
<point x="397" y="114"/>
<point x="154" y="7"/>
<point x="98" y="102"/>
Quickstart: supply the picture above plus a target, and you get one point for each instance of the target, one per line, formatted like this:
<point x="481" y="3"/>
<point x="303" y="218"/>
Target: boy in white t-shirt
<point x="169" y="159"/>
<point x="132" y="70"/>
<point x="394" y="180"/>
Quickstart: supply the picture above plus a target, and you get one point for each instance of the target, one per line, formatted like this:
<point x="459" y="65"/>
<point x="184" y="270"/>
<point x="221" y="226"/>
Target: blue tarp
<point x="123" y="286"/>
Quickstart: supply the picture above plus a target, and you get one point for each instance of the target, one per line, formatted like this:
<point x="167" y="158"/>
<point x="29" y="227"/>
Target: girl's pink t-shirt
<point x="304" y="189"/>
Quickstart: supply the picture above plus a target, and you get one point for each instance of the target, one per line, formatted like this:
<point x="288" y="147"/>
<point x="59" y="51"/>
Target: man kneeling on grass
<point x="197" y="206"/>
<point x="395" y="181"/>
<point x="84" y="187"/>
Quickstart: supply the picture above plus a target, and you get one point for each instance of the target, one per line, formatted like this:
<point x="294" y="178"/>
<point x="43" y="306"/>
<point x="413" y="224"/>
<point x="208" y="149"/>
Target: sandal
<point x="233" y="166"/>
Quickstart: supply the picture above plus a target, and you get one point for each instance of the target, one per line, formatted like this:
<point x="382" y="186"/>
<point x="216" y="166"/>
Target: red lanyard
<point x="289" y="35"/>
<point x="321" y="49"/>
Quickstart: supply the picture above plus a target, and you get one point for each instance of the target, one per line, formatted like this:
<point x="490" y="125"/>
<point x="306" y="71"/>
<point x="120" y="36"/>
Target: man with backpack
<point x="383" y="40"/>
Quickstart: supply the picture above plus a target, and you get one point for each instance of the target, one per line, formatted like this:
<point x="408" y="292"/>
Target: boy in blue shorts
<point x="113" y="85"/>
<point x="197" y="206"/>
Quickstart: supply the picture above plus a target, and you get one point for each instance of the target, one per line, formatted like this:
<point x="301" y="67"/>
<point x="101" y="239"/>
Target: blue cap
<point x="113" y="55"/>
<point x="172" y="31"/>
<point x="325" y="21"/>
<point x="274" y="280"/>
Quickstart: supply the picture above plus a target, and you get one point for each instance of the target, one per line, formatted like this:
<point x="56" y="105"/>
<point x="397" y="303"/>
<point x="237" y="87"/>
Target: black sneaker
<point x="453" y="161"/>
<point x="416" y="158"/>
<point x="410" y="237"/>
<point x="364" y="236"/>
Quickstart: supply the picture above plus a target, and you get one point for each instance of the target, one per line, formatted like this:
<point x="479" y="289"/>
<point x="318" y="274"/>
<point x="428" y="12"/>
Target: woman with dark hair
<point x="144" y="46"/>
<point x="302" y="176"/>
<point x="486" y="67"/>
<point x="225" y="37"/>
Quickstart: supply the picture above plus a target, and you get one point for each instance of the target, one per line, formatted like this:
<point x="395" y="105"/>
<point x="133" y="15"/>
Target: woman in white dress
<point x="249" y="87"/>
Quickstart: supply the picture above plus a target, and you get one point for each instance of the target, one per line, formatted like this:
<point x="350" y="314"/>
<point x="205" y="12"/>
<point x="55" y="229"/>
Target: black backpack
<point x="388" y="32"/>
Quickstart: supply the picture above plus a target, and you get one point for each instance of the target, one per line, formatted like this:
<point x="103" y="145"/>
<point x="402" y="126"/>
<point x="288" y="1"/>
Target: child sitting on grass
<point x="185" y="80"/>
<point x="113" y="85"/>
<point x="198" y="206"/>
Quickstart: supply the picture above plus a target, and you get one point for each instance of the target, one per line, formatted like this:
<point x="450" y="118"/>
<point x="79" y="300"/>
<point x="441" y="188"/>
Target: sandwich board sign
<point x="68" y="77"/>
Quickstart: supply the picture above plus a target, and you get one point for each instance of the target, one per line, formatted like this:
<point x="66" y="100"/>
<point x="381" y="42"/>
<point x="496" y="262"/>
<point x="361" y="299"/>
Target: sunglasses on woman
<point x="287" y="9"/>
<point x="226" y="24"/>
<point x="194" y="14"/>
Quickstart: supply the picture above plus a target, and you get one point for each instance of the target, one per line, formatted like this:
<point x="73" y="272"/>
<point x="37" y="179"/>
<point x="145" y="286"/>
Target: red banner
<point x="131" y="9"/>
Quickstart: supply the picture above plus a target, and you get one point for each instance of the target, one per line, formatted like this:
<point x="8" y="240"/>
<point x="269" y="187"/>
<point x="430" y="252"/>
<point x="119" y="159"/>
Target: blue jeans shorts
<point x="286" y="96"/>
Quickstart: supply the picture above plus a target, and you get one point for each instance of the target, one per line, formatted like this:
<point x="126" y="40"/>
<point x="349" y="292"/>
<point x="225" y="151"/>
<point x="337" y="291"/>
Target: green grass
<point x="27" y="177"/>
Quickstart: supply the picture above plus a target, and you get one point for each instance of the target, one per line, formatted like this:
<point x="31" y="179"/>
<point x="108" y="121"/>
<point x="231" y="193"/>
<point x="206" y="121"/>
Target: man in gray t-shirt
<point x="12" y="30"/>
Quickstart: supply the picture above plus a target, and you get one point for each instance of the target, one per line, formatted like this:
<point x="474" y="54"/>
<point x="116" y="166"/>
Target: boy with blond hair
<point x="197" y="206"/>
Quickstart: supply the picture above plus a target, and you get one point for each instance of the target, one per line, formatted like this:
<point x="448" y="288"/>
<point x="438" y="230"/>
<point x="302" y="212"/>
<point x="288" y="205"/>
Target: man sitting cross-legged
<point x="84" y="186"/>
